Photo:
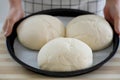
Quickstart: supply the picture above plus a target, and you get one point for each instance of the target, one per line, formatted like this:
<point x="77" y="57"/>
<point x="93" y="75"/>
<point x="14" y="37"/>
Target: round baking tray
<point x="64" y="13"/>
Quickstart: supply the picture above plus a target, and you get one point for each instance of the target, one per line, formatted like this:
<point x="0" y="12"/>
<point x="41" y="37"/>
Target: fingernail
<point x="5" y="34"/>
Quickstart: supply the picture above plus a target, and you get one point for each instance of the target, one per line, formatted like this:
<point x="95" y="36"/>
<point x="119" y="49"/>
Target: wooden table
<point x="11" y="70"/>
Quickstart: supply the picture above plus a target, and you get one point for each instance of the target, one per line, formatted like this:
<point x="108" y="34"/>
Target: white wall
<point x="4" y="8"/>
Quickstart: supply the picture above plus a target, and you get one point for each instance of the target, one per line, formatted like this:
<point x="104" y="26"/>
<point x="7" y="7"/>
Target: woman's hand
<point x="14" y="15"/>
<point x="112" y="13"/>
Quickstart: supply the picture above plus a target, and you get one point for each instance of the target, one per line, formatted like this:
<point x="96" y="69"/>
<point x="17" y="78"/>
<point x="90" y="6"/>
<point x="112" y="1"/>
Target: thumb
<point x="117" y="25"/>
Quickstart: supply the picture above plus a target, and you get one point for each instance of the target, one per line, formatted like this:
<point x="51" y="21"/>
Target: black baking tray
<point x="66" y="13"/>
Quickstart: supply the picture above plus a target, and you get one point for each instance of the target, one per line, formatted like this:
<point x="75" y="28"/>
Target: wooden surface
<point x="11" y="70"/>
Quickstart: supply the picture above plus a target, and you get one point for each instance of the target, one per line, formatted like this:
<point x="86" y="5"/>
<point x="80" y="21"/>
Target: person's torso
<point x="95" y="6"/>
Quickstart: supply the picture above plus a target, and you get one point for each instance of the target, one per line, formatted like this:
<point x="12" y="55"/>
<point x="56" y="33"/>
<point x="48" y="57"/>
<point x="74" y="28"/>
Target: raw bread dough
<point x="37" y="30"/>
<point x="65" y="54"/>
<point x="91" y="29"/>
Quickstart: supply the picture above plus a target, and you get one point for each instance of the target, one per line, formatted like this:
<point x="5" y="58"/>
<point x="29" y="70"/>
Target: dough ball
<point x="65" y="54"/>
<point x="94" y="30"/>
<point x="37" y="30"/>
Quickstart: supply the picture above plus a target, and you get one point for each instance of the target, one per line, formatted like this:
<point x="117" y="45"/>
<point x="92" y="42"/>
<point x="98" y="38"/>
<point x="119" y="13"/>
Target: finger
<point x="5" y="25"/>
<point x="9" y="29"/>
<point x="106" y="12"/>
<point x="108" y="16"/>
<point x="117" y="25"/>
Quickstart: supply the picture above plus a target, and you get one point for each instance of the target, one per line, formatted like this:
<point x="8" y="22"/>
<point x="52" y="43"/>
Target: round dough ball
<point x="37" y="30"/>
<point x="91" y="29"/>
<point x="65" y="54"/>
